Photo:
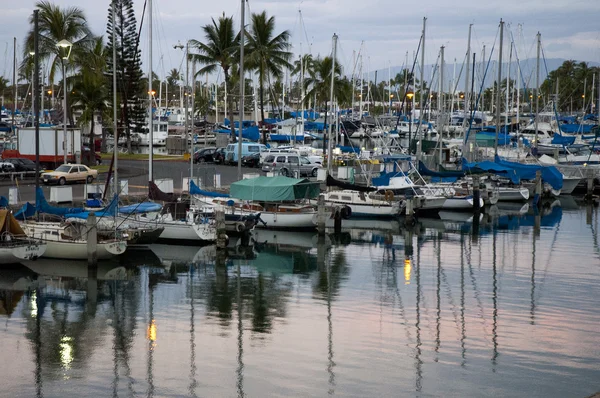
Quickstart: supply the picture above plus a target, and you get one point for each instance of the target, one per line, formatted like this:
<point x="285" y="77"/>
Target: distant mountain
<point x="452" y="71"/>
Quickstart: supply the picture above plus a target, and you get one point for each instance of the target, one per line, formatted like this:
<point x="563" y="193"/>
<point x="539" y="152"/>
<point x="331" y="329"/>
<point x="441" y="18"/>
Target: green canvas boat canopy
<point x="274" y="189"/>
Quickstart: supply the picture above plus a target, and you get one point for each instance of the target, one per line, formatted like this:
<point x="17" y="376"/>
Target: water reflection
<point x="374" y="312"/>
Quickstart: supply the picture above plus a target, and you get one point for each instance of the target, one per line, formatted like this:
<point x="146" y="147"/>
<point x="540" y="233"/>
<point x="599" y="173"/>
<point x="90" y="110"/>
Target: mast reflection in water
<point x="436" y="309"/>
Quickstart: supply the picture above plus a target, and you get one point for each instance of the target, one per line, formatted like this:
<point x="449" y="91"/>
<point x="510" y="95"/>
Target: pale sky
<point x="389" y="29"/>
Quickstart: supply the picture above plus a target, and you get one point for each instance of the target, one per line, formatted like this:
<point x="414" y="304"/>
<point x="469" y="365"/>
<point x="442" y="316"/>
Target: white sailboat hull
<point x="78" y="250"/>
<point x="283" y="220"/>
<point x="51" y="234"/>
<point x="21" y="251"/>
<point x="179" y="230"/>
<point x="513" y="194"/>
<point x="465" y="203"/>
<point x="569" y="185"/>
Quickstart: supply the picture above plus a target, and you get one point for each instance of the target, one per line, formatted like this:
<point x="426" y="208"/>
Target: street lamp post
<point x="410" y="96"/>
<point x="66" y="46"/>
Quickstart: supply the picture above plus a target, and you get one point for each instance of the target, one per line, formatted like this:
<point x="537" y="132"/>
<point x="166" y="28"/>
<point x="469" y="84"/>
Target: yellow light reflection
<point x="152" y="331"/>
<point x="33" y="305"/>
<point x="407" y="267"/>
<point x="66" y="352"/>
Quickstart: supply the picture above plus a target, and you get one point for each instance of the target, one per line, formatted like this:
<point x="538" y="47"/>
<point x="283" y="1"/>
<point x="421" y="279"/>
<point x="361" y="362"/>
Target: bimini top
<point x="274" y="189"/>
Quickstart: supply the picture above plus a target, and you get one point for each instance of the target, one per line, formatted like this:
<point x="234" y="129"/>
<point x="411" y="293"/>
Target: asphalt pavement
<point x="136" y="172"/>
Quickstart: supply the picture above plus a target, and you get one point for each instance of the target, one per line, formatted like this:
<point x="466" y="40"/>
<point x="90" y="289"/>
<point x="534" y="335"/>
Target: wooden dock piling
<point x="476" y="195"/>
<point x="321" y="215"/>
<point x="92" y="240"/>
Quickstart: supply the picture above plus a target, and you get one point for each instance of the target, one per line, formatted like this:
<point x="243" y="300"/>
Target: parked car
<point x="219" y="155"/>
<point x="6" y="167"/>
<point x="251" y="160"/>
<point x="248" y="148"/>
<point x="70" y="173"/>
<point x="21" y="164"/>
<point x="286" y="165"/>
<point x="204" y="155"/>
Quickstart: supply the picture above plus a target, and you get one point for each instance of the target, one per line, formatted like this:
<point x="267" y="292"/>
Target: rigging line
<point x="481" y="89"/>
<point x="519" y="70"/>
<point x="412" y="74"/>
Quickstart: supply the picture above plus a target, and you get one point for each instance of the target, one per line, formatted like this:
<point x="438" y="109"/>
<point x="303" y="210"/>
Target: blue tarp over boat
<point x="550" y="174"/>
<point x="42" y="206"/>
<point x="250" y="133"/>
<point x="562" y="140"/>
<point x="28" y="210"/>
<point x="491" y="167"/>
<point x="194" y="190"/>
<point x="139" y="208"/>
<point x="108" y="211"/>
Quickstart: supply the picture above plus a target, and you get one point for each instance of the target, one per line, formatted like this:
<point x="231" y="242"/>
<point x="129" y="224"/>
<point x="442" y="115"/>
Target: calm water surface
<point x="508" y="307"/>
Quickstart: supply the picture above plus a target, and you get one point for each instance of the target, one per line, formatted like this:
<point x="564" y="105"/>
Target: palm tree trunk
<point x="92" y="159"/>
<point x="230" y="106"/>
<point x="103" y="144"/>
<point x="261" y="93"/>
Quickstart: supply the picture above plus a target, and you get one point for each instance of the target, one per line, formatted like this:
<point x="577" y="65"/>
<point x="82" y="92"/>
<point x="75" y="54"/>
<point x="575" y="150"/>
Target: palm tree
<point x="91" y="89"/>
<point x="56" y="24"/>
<point x="267" y="53"/>
<point x="219" y="50"/>
<point x="173" y="79"/>
<point x="308" y="64"/>
<point x="318" y="84"/>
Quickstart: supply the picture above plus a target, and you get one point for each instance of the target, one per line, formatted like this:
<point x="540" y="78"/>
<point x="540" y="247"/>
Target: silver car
<point x="288" y="164"/>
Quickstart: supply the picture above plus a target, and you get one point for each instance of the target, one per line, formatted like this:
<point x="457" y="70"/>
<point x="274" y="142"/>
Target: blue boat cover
<point x="348" y="149"/>
<point x="550" y="174"/>
<point x="250" y="133"/>
<point x="562" y="140"/>
<point x="286" y="137"/>
<point x="194" y="190"/>
<point x="491" y="167"/>
<point x="576" y="128"/>
<point x="42" y="206"/>
<point x="3" y="201"/>
<point x="109" y="211"/>
<point x="139" y="208"/>
<point x="424" y="171"/>
<point x="28" y="210"/>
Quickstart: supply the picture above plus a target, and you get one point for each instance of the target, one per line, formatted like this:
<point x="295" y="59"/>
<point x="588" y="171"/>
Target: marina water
<point x="450" y="307"/>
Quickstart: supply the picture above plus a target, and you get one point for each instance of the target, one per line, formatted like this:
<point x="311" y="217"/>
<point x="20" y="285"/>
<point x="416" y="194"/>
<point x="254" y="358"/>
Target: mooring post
<point x="538" y="188"/>
<point x="220" y="225"/>
<point x="321" y="215"/>
<point x="337" y="220"/>
<point x="92" y="240"/>
<point x="590" y="187"/>
<point x="410" y="211"/>
<point x="476" y="194"/>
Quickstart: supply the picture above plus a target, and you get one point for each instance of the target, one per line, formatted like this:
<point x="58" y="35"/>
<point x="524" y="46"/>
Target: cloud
<point x="388" y="29"/>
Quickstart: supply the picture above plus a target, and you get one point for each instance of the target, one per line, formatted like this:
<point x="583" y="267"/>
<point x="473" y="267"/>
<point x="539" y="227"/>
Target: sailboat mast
<point x="498" y="92"/>
<point x="150" y="126"/>
<point x="441" y="104"/>
<point x="242" y="40"/>
<point x="36" y="93"/>
<point x="508" y="82"/>
<point x="467" y="79"/>
<point x="422" y="94"/>
<point x="114" y="87"/>
<point x="329" y="157"/>
<point x="360" y="108"/>
<point x="537" y="88"/>
<point x="14" y="83"/>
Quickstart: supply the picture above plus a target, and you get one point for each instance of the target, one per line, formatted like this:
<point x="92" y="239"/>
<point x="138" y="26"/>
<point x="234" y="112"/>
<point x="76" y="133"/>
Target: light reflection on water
<point x="505" y="305"/>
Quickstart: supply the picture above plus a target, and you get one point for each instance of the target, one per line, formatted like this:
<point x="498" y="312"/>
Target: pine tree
<point x="130" y="88"/>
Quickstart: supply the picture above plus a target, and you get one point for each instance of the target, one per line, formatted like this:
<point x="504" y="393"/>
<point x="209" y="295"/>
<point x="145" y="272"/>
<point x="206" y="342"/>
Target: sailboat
<point x="15" y="246"/>
<point x="65" y="239"/>
<point x="193" y="228"/>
